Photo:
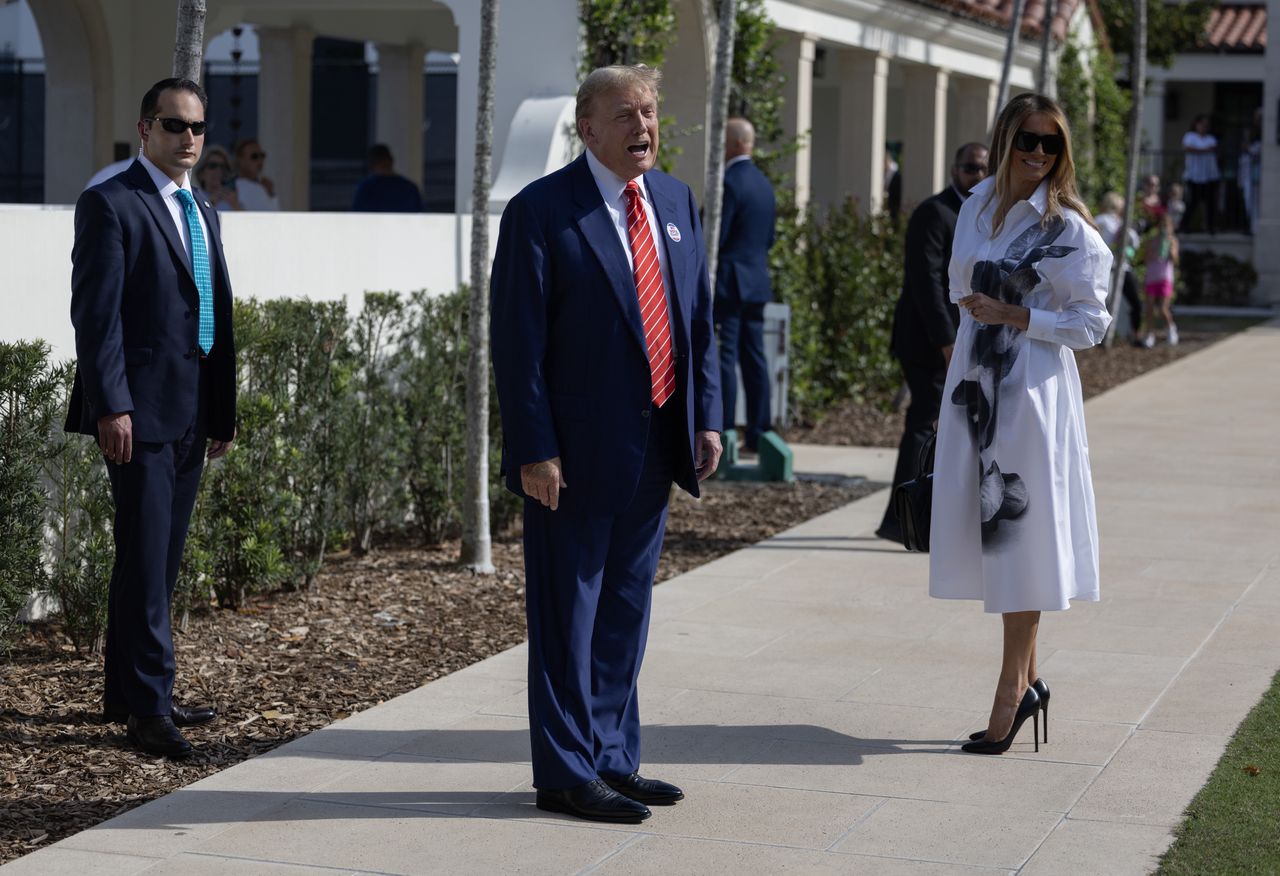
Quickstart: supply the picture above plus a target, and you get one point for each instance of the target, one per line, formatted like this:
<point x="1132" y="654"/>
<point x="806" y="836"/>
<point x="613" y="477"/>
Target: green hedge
<point x="351" y="429"/>
<point x="841" y="272"/>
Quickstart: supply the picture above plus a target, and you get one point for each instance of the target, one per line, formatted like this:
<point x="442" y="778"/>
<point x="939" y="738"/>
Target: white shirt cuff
<point x="1041" y="324"/>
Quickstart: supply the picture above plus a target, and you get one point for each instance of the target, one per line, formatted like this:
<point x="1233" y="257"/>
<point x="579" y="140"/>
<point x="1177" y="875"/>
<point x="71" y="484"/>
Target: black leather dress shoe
<point x="185" y="716"/>
<point x="182" y="716"/>
<point x="594" y="801"/>
<point x="644" y="790"/>
<point x="158" y="735"/>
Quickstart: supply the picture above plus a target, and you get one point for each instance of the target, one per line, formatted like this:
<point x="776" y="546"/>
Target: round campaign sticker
<point x="673" y="232"/>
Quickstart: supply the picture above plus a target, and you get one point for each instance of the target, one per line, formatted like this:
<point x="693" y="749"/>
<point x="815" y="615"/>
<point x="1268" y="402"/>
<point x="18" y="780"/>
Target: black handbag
<point x="913" y="502"/>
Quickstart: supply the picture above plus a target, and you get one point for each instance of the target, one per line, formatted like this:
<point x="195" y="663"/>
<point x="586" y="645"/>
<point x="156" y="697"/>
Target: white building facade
<point x="858" y="74"/>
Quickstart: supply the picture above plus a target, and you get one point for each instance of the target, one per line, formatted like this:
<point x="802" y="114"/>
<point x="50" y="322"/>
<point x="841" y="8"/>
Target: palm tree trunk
<point x="188" y="49"/>
<point x="713" y="191"/>
<point x="1046" y="42"/>
<point x="1010" y="49"/>
<point x="477" y="548"/>
<point x="1137" y="82"/>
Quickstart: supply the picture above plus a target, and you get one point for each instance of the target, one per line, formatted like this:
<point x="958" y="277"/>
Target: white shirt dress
<point x="1013" y="511"/>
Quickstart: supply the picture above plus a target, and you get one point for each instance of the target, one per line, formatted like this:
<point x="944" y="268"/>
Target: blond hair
<point x="1062" y="190"/>
<point x="615" y="78"/>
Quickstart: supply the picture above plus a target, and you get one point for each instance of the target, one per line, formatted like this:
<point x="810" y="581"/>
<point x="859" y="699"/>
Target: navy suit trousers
<point x="740" y="330"/>
<point x="589" y="581"/>
<point x="154" y="495"/>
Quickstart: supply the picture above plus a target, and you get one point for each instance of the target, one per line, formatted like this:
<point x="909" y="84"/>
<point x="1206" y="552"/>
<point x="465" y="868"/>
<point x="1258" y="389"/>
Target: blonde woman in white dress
<point x="1013" y="509"/>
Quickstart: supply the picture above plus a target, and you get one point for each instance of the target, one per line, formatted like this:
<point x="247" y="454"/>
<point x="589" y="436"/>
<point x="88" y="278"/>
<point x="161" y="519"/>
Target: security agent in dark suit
<point x="156" y="386"/>
<point x="604" y="362"/>
<point x="925" y="320"/>
<point x="743" y="287"/>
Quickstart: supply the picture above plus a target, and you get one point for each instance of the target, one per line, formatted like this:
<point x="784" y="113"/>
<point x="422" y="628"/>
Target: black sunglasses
<point x="177" y="126"/>
<point x="1025" y="141"/>
<point x="973" y="168"/>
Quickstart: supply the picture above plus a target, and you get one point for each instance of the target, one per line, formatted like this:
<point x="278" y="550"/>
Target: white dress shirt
<point x="1201" y="167"/>
<point x="169" y="191"/>
<point x="613" y="190"/>
<point x="253" y="195"/>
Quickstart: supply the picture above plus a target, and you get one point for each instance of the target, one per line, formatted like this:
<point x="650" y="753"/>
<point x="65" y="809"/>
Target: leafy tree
<point x="1097" y="108"/>
<point x="626" y="32"/>
<point x="1171" y="28"/>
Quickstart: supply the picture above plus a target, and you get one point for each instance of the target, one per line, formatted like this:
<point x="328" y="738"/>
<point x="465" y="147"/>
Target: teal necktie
<point x="200" y="268"/>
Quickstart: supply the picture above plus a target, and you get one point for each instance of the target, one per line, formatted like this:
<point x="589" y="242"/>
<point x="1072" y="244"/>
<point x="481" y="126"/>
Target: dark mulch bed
<point x="860" y="425"/>
<point x="288" y="663"/>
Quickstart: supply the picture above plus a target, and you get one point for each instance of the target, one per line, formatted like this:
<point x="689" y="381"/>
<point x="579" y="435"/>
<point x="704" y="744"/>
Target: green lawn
<point x="1233" y="824"/>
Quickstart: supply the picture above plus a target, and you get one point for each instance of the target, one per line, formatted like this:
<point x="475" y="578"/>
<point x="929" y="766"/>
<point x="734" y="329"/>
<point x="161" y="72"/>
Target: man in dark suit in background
<point x="156" y="386"/>
<point x="384" y="190"/>
<point x="742" y="280"/>
<point x="925" y="320"/>
<point x="606" y="375"/>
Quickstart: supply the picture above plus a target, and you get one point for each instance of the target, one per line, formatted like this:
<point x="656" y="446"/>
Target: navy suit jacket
<point x="746" y="235"/>
<point x="135" y="309"/>
<point x="571" y="367"/>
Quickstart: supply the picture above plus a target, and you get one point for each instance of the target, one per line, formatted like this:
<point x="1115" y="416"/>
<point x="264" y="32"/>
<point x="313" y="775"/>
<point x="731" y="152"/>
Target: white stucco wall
<point x="323" y="256"/>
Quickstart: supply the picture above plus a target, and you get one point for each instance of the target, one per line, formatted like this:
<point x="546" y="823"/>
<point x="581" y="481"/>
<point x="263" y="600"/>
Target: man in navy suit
<point x="156" y="386"/>
<point x="742" y="280"/>
<point x="604" y="355"/>
<point x="925" y="320"/>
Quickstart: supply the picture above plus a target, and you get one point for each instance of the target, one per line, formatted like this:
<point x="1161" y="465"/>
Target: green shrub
<point x="841" y="273"/>
<point x="1210" y="278"/>
<point x="243" y="517"/>
<point x="78" y="525"/>
<point x="433" y="365"/>
<point x="28" y="391"/>
<point x="375" y="435"/>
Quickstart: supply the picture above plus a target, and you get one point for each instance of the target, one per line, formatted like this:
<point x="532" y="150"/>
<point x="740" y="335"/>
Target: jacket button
<point x="189" y="353"/>
<point x="645" y="413"/>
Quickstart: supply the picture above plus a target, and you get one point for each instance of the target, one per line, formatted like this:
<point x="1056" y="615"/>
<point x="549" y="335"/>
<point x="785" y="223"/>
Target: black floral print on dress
<point x="1002" y="495"/>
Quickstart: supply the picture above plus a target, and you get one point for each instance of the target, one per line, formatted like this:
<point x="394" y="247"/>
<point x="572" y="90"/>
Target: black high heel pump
<point x="1028" y="708"/>
<point x="1043" y="690"/>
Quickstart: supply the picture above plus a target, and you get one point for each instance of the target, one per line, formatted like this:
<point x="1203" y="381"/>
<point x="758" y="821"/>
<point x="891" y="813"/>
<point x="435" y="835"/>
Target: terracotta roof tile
<point x="997" y="12"/>
<point x="1237" y="28"/>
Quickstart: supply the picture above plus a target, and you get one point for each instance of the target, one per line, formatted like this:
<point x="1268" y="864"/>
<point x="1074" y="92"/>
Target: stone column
<point x="1266" y="255"/>
<point x="864" y="87"/>
<point x="795" y="55"/>
<point x="399" y="113"/>
<point x="1153" y="115"/>
<point x="284" y="111"/>
<point x="975" y="110"/>
<point x="925" y="139"/>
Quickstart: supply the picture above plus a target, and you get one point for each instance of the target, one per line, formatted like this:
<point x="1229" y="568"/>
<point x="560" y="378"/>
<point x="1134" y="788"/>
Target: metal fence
<point x="1236" y="195"/>
<point x="21" y="131"/>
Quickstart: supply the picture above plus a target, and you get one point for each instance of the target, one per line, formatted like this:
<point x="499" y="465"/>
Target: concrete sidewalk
<point x="811" y="698"/>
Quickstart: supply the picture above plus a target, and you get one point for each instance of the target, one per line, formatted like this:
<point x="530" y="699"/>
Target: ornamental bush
<point x="841" y="273"/>
<point x="27" y="390"/>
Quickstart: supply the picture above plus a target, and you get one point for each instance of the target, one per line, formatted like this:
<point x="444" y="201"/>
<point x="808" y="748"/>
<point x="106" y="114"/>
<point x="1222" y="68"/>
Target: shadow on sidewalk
<point x="436" y="761"/>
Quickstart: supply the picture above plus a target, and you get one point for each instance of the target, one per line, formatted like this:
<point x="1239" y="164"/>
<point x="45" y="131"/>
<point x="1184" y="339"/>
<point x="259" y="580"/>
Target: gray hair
<point x="615" y="78"/>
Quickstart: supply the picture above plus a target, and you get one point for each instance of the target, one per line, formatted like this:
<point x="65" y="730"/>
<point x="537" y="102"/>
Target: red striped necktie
<point x="653" y="298"/>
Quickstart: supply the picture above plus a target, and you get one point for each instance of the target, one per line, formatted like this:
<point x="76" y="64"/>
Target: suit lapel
<point x="678" y="253"/>
<point x="160" y="213"/>
<point x="602" y="236"/>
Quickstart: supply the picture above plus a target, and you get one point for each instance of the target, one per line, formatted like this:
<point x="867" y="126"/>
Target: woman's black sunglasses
<point x="1025" y="141"/>
<point x="177" y="126"/>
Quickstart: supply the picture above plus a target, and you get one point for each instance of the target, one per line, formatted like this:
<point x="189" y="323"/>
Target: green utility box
<point x="775" y="461"/>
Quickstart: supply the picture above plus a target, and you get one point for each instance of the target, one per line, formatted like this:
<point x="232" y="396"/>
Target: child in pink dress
<point x="1161" y="256"/>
